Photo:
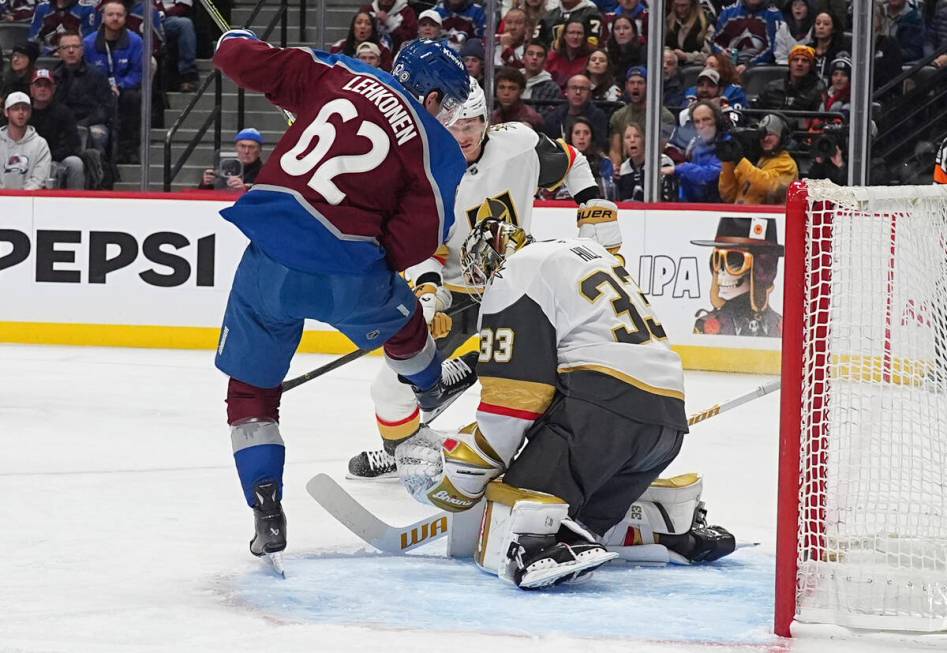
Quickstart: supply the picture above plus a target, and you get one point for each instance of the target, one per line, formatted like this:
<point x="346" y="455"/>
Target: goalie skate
<point x="375" y="465"/>
<point x="538" y="566"/>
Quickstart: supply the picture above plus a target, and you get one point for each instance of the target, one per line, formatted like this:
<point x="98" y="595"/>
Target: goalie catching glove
<point x="448" y="472"/>
<point x="434" y="300"/>
<point x="598" y="220"/>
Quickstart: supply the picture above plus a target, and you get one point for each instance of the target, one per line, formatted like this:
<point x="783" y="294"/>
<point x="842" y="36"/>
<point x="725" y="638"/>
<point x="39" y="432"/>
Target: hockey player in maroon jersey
<point x="360" y="187"/>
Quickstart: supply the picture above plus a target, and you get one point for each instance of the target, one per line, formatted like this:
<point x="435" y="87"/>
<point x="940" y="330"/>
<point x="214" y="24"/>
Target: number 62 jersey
<point x="563" y="316"/>
<point x="364" y="178"/>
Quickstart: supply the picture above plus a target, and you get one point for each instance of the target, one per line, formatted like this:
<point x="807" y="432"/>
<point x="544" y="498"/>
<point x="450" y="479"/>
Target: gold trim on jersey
<point x="518" y="395"/>
<point x="508" y="495"/>
<point x="499" y="207"/>
<point x="625" y="378"/>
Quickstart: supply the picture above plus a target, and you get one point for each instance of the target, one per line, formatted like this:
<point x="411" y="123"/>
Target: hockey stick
<point x="348" y="358"/>
<point x="224" y="27"/>
<point x="401" y="539"/>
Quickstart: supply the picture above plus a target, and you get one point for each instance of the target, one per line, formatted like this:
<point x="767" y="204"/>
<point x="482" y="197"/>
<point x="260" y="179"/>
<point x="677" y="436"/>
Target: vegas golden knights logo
<point x="499" y="207"/>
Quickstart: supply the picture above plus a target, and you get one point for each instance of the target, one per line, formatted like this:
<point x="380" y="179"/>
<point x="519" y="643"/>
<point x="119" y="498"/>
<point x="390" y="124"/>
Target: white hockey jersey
<point x="563" y="316"/>
<point x="515" y="162"/>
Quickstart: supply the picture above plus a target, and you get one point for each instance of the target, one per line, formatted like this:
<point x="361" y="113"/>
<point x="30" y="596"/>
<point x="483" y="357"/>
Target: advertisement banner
<point x="155" y="271"/>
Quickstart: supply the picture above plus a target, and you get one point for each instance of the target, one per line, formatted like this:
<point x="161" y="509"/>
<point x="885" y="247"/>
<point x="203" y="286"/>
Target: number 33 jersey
<point x="564" y="316"/>
<point x="364" y="178"/>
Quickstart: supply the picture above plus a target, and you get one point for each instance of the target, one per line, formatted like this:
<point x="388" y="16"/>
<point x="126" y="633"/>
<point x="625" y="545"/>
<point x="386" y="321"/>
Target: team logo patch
<point x="19" y="163"/>
<point x="374" y="333"/>
<point x="499" y="207"/>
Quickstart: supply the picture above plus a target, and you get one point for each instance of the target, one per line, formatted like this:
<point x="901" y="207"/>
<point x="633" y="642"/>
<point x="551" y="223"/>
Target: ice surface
<point x="125" y="527"/>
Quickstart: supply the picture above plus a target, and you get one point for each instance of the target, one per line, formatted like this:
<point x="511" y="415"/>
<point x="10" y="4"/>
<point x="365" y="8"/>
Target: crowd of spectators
<point x="572" y="69"/>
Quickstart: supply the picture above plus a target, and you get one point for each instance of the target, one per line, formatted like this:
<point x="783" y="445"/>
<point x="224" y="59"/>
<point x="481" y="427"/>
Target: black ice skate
<point x="457" y="374"/>
<point x="270" y="523"/>
<point x="542" y="561"/>
<point x="375" y="465"/>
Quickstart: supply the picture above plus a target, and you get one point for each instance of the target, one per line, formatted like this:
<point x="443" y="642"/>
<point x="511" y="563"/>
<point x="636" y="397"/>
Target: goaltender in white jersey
<point x="507" y="163"/>
<point x="573" y="362"/>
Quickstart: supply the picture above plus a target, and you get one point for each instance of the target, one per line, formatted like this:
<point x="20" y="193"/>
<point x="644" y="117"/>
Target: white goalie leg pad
<point x="667" y="507"/>
<point x="511" y="512"/>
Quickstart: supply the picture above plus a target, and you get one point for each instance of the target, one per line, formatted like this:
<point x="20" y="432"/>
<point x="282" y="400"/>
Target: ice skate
<point x="376" y="465"/>
<point x="457" y="374"/>
<point x="542" y="562"/>
<point x="270" y="524"/>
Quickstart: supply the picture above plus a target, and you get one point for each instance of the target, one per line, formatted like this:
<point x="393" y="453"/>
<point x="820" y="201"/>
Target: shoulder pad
<point x="555" y="160"/>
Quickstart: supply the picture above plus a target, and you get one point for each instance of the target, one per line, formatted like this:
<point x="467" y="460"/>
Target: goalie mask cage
<point x="862" y="523"/>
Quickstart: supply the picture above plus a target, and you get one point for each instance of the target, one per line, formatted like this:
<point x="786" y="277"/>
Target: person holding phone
<point x="240" y="173"/>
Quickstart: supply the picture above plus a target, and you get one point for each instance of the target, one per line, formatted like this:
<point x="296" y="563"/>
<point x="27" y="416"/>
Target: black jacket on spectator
<point x="804" y="96"/>
<point x="12" y="82"/>
<point x="85" y="91"/>
<point x="57" y="125"/>
<point x="249" y="176"/>
<point x="558" y="122"/>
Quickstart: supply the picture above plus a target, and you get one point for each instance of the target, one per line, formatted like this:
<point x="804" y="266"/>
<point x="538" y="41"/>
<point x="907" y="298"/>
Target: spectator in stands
<point x="673" y="81"/>
<point x="539" y="83"/>
<point x="461" y="20"/>
<point x="20" y="71"/>
<point x="16" y="11"/>
<point x="135" y="21"/>
<point x="829" y="41"/>
<point x="800" y="90"/>
<point x="747" y="30"/>
<point x="634" y="112"/>
<point x="571" y="56"/>
<point x="510" y="85"/>
<point x="179" y="30"/>
<point x="54" y="16"/>
<point x="604" y="88"/>
<point x="511" y="41"/>
<point x="630" y="183"/>
<point x="766" y="181"/>
<point x="429" y="25"/>
<point x="116" y="52"/>
<point x="937" y="34"/>
<point x="905" y="24"/>
<point x="362" y="29"/>
<point x="699" y="174"/>
<point x="369" y="53"/>
<point x="709" y="89"/>
<point x="796" y="29"/>
<point x="689" y="32"/>
<point x="637" y="11"/>
<point x="888" y="59"/>
<point x="832" y="168"/>
<point x="624" y="46"/>
<point x="85" y="91"/>
<point x="23" y="153"/>
<point x="395" y="19"/>
<point x="56" y="124"/>
<point x="536" y="11"/>
<point x="729" y="78"/>
<point x="838" y="97"/>
<point x="578" y="103"/>
<point x="551" y="30"/>
<point x="249" y="145"/>
<point x="583" y="138"/>
<point x="473" y="57"/>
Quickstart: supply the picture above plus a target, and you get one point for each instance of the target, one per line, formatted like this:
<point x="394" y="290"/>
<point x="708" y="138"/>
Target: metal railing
<point x="171" y="169"/>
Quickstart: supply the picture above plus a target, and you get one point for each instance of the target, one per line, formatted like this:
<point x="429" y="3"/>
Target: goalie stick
<point x="401" y="539"/>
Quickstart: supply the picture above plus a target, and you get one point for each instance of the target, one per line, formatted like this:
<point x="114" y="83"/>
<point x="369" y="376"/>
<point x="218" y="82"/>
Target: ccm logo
<point x="109" y="251"/>
<point x="424" y="532"/>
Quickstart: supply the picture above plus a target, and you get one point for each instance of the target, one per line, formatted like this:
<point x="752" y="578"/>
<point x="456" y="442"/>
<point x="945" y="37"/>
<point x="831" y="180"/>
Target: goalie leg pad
<point x="518" y="539"/>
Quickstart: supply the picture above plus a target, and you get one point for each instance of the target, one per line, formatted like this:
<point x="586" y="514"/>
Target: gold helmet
<point x="486" y="247"/>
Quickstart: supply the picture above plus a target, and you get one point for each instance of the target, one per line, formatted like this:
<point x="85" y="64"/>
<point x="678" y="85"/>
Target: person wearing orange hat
<point x="800" y="90"/>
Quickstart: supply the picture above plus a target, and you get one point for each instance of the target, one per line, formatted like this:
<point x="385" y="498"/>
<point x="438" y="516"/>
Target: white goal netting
<point x="872" y="546"/>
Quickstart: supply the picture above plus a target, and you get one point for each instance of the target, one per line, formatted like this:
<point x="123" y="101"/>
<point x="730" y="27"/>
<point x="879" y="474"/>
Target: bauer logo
<point x="165" y="259"/>
<point x="424" y="532"/>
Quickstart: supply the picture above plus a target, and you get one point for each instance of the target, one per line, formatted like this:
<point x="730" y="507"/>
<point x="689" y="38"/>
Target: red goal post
<point x="862" y="508"/>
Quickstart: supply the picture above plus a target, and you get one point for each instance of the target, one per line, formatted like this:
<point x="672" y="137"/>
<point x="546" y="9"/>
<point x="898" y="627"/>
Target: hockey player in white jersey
<point x="574" y="362"/>
<point x="506" y="164"/>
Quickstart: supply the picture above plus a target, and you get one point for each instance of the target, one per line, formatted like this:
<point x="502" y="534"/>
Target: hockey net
<point x="862" y="538"/>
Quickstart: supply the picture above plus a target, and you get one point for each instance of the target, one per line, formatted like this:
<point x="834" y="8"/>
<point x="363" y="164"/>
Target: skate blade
<point x="547" y="577"/>
<point x="276" y="561"/>
<point x="391" y="477"/>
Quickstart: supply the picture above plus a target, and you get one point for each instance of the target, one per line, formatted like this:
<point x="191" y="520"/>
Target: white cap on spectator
<point x="710" y="74"/>
<point x="431" y="14"/>
<point x="16" y="98"/>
